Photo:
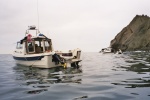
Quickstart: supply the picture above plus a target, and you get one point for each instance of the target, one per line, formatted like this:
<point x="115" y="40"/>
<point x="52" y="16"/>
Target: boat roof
<point x="41" y="37"/>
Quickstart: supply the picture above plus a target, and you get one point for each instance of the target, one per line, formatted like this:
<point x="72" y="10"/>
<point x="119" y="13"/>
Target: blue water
<point x="101" y="77"/>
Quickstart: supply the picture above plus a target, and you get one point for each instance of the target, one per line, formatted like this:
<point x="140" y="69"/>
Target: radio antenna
<point x="38" y="16"/>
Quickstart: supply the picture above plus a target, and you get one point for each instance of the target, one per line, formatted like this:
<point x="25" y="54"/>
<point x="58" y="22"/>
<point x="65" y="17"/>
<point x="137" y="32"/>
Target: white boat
<point x="37" y="51"/>
<point x="119" y="51"/>
<point x="107" y="50"/>
<point x="110" y="50"/>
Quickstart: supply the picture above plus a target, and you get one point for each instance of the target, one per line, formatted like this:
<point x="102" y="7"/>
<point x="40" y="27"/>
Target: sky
<point x="86" y="24"/>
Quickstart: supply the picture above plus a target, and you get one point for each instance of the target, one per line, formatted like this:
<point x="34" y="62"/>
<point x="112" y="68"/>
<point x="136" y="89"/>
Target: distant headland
<point x="135" y="36"/>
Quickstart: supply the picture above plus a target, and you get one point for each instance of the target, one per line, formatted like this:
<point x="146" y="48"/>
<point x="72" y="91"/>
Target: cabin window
<point x="39" y="46"/>
<point x="47" y="45"/>
<point x="30" y="47"/>
<point x="19" y="45"/>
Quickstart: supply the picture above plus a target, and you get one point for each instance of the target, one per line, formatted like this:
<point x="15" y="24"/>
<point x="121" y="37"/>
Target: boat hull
<point x="43" y="61"/>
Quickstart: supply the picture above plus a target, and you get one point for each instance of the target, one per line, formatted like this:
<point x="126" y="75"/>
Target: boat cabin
<point x="38" y="45"/>
<point x="35" y="44"/>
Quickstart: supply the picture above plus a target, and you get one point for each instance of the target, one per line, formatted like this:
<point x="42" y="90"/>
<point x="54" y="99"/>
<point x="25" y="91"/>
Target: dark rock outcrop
<point x="135" y="36"/>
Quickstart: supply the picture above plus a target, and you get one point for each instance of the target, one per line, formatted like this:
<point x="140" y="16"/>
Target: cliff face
<point x="135" y="36"/>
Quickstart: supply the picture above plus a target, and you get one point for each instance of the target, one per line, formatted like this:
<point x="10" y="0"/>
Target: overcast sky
<point x="86" y="24"/>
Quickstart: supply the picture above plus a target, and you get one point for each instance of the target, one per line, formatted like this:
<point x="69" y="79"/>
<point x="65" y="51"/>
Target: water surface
<point x="101" y="77"/>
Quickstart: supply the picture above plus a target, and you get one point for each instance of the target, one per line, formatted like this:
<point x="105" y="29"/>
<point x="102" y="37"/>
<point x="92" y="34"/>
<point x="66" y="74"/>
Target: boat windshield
<point x="30" y="46"/>
<point x="48" y="46"/>
<point x="19" y="45"/>
<point x="39" y="46"/>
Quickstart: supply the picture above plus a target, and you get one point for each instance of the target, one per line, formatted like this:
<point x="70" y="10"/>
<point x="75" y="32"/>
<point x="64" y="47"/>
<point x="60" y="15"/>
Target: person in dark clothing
<point x="57" y="59"/>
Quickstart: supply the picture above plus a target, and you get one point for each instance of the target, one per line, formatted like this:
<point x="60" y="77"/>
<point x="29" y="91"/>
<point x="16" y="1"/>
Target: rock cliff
<point x="135" y="36"/>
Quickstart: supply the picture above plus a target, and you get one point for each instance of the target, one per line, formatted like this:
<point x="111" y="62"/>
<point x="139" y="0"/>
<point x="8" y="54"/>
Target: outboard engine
<point x="57" y="59"/>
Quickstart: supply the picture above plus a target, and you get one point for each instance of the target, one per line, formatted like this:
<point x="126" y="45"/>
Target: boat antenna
<point x="38" y="16"/>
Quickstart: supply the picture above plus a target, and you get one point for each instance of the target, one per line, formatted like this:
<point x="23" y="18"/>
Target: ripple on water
<point x="101" y="77"/>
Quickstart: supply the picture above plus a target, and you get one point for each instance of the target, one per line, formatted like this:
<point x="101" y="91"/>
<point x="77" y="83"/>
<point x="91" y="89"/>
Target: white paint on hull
<point x="45" y="62"/>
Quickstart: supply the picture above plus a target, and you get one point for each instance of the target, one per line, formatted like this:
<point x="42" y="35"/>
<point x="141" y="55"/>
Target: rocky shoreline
<point x="135" y="36"/>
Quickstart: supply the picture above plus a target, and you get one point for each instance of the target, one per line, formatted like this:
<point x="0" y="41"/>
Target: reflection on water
<point x="101" y="77"/>
<point x="41" y="79"/>
<point x="139" y="63"/>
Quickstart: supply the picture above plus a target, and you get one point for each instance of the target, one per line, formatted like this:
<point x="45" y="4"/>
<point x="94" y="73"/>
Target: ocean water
<point x="101" y="77"/>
